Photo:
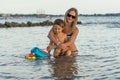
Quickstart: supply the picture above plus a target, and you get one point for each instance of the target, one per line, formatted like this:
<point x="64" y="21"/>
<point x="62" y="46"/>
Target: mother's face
<point x="71" y="16"/>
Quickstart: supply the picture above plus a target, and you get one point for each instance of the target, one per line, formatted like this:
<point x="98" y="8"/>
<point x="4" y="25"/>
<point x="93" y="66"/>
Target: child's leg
<point x="68" y="53"/>
<point x="57" y="52"/>
<point x="65" y="52"/>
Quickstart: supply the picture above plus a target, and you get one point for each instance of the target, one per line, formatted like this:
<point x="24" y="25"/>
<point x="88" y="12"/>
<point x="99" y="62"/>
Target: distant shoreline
<point x="50" y="15"/>
<point x="48" y="22"/>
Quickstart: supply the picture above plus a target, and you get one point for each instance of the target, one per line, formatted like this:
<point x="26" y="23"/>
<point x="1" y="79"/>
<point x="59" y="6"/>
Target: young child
<point x="60" y="37"/>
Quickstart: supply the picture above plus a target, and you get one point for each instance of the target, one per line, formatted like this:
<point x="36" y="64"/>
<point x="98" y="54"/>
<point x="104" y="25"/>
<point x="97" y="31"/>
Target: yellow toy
<point x="31" y="56"/>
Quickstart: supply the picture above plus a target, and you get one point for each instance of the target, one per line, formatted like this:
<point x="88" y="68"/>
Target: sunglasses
<point x="69" y="15"/>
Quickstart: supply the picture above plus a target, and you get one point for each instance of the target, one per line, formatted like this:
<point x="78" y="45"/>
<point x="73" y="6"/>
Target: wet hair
<point x="59" y="22"/>
<point x="76" y="17"/>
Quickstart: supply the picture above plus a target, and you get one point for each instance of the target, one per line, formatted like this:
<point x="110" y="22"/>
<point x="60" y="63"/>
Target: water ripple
<point x="98" y="57"/>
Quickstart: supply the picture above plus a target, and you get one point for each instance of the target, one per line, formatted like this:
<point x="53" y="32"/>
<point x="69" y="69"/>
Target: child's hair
<point x="59" y="22"/>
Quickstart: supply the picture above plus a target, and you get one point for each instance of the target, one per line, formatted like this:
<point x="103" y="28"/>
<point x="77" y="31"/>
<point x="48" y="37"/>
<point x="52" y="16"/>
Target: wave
<point x="101" y="23"/>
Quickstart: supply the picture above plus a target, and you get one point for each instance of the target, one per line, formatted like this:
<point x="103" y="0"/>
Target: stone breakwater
<point x="28" y="24"/>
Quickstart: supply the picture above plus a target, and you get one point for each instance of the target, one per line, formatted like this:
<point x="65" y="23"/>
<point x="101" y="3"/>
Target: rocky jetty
<point x="28" y="24"/>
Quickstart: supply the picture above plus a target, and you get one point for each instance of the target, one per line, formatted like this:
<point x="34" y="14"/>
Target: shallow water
<point x="98" y="57"/>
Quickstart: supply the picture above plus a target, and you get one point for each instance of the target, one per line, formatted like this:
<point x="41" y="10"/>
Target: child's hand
<point x="50" y="47"/>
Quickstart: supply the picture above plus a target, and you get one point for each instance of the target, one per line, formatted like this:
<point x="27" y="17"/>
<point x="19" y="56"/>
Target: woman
<point x="70" y="20"/>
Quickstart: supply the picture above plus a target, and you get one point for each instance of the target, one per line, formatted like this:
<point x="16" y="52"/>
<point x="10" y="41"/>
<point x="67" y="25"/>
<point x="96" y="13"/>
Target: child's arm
<point x="51" y="46"/>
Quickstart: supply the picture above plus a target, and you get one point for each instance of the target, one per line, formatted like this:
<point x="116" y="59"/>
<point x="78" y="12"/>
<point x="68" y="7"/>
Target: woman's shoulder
<point x="76" y="29"/>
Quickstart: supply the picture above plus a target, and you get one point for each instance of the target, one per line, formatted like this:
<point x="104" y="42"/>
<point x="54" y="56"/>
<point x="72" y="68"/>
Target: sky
<point x="59" y="6"/>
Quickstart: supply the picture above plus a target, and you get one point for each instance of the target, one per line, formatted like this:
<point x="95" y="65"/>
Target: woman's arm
<point x="73" y="37"/>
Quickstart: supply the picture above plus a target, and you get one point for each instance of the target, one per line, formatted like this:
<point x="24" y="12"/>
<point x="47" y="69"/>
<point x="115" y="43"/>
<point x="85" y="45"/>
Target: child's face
<point x="57" y="29"/>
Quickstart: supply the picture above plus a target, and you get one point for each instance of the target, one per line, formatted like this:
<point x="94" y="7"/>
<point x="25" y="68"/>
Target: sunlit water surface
<point x="98" y="58"/>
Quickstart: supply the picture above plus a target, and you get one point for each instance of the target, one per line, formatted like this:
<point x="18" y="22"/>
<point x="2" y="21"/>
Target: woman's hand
<point x="58" y="43"/>
<point x="63" y="46"/>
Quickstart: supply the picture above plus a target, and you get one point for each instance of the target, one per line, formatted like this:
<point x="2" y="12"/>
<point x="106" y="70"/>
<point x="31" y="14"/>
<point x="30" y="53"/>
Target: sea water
<point x="98" y="43"/>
